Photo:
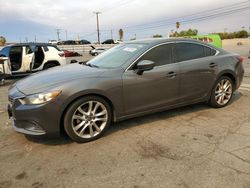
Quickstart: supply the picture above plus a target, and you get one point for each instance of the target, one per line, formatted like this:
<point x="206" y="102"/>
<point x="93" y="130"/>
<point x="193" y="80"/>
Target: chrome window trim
<point x="217" y="51"/>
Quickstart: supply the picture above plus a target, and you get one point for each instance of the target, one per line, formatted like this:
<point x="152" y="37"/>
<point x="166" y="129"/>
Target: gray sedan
<point x="129" y="80"/>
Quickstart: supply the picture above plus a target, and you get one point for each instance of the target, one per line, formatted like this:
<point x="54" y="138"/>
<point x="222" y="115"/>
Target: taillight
<point x="240" y="59"/>
<point x="61" y="54"/>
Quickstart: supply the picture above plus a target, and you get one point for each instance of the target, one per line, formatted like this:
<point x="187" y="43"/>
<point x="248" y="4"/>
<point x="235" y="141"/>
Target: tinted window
<point x="188" y="51"/>
<point x="161" y="55"/>
<point x="209" y="51"/>
<point x="5" y="52"/>
<point x="45" y="48"/>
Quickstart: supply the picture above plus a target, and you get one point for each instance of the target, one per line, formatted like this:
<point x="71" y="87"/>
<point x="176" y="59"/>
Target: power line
<point x="235" y="5"/>
<point x="192" y="19"/>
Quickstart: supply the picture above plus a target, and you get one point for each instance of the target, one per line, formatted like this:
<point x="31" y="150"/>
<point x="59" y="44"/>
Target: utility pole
<point x="97" y="23"/>
<point x="112" y="34"/>
<point x="58" y="34"/>
<point x="66" y="34"/>
<point x="35" y="38"/>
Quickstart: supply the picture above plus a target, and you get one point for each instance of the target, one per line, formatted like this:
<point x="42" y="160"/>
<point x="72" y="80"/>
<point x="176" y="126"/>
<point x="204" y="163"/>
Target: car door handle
<point x="213" y="65"/>
<point x="171" y="75"/>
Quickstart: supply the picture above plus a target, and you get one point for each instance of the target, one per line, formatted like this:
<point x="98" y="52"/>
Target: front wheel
<point x="87" y="119"/>
<point x="222" y="92"/>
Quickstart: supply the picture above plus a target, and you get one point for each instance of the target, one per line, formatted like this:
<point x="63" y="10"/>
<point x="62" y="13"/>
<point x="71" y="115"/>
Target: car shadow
<point x="164" y="115"/>
<point x="63" y="140"/>
<point x="134" y="122"/>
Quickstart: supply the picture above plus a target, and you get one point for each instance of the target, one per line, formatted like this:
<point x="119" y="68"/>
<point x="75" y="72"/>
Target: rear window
<point x="209" y="51"/>
<point x="45" y="48"/>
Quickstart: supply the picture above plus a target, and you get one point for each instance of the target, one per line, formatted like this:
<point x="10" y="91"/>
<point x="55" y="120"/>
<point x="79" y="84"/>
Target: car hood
<point x="42" y="81"/>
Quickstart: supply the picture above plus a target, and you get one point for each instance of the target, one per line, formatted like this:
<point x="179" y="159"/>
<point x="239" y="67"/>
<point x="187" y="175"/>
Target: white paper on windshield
<point x="130" y="49"/>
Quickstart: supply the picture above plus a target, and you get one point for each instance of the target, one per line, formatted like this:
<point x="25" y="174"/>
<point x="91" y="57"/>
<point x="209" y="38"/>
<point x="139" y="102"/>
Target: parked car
<point x="118" y="42"/>
<point x="69" y="42"/>
<point x="71" y="54"/>
<point x="32" y="57"/>
<point x="4" y="69"/>
<point x="55" y="42"/>
<point x="96" y="51"/>
<point x="129" y="80"/>
<point x="109" y="41"/>
<point x="83" y="42"/>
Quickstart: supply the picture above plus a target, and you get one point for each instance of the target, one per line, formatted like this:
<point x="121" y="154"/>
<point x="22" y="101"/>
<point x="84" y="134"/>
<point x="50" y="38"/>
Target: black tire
<point x="68" y="125"/>
<point x="49" y="65"/>
<point x="213" y="102"/>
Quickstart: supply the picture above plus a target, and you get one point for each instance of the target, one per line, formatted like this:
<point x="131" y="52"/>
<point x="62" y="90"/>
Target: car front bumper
<point x="34" y="120"/>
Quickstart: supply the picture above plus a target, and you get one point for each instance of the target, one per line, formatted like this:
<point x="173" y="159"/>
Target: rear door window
<point x="188" y="51"/>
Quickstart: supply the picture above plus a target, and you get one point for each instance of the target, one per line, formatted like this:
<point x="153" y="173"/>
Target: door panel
<point x="196" y="78"/>
<point x="28" y="58"/>
<point x="151" y="90"/>
<point x="197" y="72"/>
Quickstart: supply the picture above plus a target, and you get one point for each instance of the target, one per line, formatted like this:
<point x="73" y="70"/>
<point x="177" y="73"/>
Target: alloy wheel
<point x="89" y="119"/>
<point x="223" y="92"/>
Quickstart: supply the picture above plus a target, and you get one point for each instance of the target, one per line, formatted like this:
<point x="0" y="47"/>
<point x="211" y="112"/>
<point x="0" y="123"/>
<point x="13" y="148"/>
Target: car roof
<point x="156" y="41"/>
<point x="31" y="44"/>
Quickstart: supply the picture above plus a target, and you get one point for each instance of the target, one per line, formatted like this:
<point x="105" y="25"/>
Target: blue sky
<point x="23" y="20"/>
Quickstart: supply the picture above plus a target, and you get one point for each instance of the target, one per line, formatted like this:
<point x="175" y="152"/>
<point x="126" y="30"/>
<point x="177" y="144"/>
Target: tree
<point x="185" y="33"/>
<point x="157" y="36"/>
<point x="242" y="34"/>
<point x="2" y="41"/>
<point x="121" y="34"/>
<point x="178" y="25"/>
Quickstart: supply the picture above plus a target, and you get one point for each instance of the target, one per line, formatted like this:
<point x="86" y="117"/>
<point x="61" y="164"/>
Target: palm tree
<point x="121" y="34"/>
<point x="178" y="25"/>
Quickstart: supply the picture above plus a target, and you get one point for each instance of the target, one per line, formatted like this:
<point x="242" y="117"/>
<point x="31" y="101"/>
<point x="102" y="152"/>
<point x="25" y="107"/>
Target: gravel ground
<point x="194" y="146"/>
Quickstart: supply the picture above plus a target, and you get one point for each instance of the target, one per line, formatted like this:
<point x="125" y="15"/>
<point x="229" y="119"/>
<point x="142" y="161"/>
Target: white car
<point x="96" y="51"/>
<point x="4" y="69"/>
<point x="33" y="57"/>
<point x="55" y="42"/>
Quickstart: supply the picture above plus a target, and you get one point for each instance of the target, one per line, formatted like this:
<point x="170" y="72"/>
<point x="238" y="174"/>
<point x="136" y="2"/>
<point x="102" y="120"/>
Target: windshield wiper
<point x="91" y="65"/>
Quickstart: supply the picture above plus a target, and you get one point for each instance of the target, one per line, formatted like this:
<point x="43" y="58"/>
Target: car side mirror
<point x="144" y="65"/>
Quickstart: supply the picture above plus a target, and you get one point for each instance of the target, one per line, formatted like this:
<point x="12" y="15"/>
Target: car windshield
<point x="117" y="56"/>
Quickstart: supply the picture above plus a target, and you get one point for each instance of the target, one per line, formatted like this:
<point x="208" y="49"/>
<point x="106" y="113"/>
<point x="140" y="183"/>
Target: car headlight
<point x="40" y="98"/>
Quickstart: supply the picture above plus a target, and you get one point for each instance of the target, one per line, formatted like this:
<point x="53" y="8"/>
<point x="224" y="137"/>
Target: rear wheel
<point x="87" y="119"/>
<point x="222" y="92"/>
